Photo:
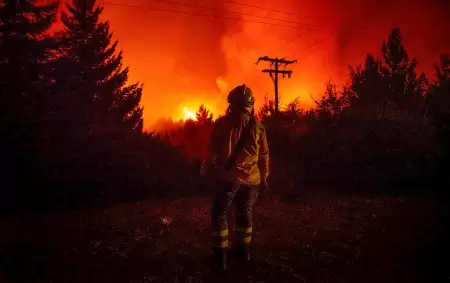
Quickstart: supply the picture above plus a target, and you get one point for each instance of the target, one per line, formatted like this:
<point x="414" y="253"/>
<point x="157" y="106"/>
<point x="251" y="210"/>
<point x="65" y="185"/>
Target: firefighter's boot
<point x="220" y="248"/>
<point x="244" y="237"/>
<point x="220" y="258"/>
<point x="243" y="252"/>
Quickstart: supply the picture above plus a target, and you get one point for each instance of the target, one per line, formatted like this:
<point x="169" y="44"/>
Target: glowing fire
<point x="189" y="115"/>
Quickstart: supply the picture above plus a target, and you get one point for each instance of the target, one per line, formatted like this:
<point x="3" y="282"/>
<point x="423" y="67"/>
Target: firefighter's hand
<point x="263" y="187"/>
<point x="262" y="190"/>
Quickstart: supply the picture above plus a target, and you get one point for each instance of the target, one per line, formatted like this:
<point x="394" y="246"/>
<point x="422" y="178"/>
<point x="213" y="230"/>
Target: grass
<point x="323" y="238"/>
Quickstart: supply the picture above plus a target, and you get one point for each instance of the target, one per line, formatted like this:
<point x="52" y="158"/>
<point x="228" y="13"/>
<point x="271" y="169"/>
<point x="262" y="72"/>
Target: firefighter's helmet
<point x="241" y="96"/>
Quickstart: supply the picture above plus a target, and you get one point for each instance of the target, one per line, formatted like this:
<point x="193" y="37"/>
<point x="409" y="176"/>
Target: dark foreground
<point x="324" y="238"/>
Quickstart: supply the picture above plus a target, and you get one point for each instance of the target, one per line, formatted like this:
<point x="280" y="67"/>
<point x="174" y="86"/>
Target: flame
<point x="189" y="115"/>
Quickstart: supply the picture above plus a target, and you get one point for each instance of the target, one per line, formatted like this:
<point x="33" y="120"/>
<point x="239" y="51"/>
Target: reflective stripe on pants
<point x="244" y="235"/>
<point x="220" y="239"/>
<point x="245" y="197"/>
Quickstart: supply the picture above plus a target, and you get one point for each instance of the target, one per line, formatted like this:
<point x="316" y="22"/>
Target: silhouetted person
<point x="238" y="158"/>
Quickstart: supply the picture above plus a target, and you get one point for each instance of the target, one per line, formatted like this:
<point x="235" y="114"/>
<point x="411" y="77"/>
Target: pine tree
<point x="389" y="87"/>
<point x="368" y="97"/>
<point x="24" y="54"/>
<point x="332" y="103"/>
<point x="92" y="74"/>
<point x="203" y="115"/>
<point x="405" y="87"/>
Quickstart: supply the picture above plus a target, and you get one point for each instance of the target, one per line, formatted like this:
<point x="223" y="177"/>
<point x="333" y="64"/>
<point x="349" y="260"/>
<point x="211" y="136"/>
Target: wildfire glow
<point x="202" y="58"/>
<point x="189" y="115"/>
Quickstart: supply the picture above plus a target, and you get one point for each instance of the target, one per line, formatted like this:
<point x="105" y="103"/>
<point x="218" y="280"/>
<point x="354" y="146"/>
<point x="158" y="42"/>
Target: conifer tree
<point x="404" y="86"/>
<point x="332" y="103"/>
<point x="388" y="87"/>
<point x="24" y="54"/>
<point x="368" y="97"/>
<point x="92" y="75"/>
<point x="203" y="115"/>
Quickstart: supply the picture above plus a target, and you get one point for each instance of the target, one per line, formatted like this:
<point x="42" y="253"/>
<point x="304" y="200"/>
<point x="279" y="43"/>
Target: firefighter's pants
<point x="245" y="197"/>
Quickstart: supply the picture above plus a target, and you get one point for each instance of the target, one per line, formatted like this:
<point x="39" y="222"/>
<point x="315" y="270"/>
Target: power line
<point x="364" y="29"/>
<point x="298" y="36"/>
<point x="215" y="16"/>
<point x="315" y="43"/>
<point x="330" y="36"/>
<point x="277" y="11"/>
<point x="319" y="41"/>
<point x="236" y="13"/>
<point x="262" y="8"/>
<point x="219" y="17"/>
<point x="196" y="14"/>
<point x="311" y="45"/>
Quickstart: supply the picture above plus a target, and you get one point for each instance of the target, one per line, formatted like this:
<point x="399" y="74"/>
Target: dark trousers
<point x="245" y="197"/>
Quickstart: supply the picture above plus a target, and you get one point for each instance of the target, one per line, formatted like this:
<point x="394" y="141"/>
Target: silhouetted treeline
<point x="71" y="123"/>
<point x="388" y="129"/>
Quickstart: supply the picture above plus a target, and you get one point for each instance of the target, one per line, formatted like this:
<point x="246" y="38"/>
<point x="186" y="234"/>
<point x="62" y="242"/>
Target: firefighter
<point x="238" y="157"/>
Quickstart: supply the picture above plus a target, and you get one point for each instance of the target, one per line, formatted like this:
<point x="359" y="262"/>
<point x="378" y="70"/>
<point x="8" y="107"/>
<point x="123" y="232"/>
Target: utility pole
<point x="275" y="64"/>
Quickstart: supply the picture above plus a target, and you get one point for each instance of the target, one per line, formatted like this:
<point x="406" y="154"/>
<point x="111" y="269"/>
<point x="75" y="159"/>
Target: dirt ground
<point x="323" y="238"/>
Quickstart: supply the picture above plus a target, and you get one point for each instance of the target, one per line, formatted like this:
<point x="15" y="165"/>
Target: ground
<point x="322" y="237"/>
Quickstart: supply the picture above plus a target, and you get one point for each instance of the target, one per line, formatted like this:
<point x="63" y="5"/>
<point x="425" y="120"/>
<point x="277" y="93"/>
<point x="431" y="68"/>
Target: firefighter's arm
<point x="263" y="159"/>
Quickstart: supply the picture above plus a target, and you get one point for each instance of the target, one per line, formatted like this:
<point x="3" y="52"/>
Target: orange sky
<point x="185" y="60"/>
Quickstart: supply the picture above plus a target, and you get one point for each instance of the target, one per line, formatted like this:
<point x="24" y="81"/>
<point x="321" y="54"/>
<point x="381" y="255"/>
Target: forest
<point x="72" y="123"/>
<point x="72" y="135"/>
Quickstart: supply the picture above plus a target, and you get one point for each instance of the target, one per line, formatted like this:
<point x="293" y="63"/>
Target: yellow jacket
<point x="252" y="162"/>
